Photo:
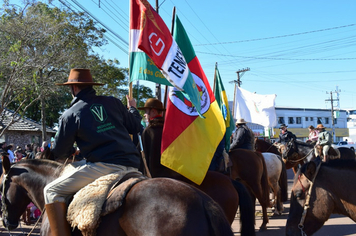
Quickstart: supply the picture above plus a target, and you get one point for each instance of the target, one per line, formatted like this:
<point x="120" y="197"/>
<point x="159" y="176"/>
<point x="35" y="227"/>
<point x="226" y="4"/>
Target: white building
<point x="299" y="119"/>
<point x="351" y="125"/>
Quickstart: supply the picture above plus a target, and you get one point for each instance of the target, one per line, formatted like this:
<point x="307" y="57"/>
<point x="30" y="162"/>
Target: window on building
<point x="281" y="120"/>
<point x="335" y="121"/>
<point x="311" y="118"/>
<point x="299" y="120"/>
<point x="306" y="118"/>
<point x="290" y="120"/>
<point x="326" y="120"/>
<point x="319" y="121"/>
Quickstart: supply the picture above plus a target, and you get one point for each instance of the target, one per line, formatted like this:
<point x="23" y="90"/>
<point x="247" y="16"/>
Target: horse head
<point x="288" y="149"/>
<point x="14" y="198"/>
<point x="301" y="197"/>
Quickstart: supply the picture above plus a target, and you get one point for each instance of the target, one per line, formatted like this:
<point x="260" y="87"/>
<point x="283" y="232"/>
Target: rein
<point x="301" y="158"/>
<point x="306" y="205"/>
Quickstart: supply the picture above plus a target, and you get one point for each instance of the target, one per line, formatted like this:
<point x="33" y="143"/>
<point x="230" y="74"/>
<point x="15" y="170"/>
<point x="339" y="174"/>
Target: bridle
<point x="307" y="199"/>
<point x="4" y="211"/>
<point x="300" y="159"/>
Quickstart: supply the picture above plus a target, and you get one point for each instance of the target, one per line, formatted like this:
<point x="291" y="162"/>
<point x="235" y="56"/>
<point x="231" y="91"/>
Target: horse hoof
<point x="263" y="228"/>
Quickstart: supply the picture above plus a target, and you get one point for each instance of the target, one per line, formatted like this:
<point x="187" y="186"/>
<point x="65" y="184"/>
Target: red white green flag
<point x="156" y="41"/>
<point x="189" y="141"/>
<point x="141" y="66"/>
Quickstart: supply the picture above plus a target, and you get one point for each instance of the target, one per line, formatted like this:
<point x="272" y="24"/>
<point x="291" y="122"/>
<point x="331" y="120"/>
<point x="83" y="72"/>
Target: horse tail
<point x="216" y="218"/>
<point x="264" y="181"/>
<point x="247" y="210"/>
<point x="283" y="182"/>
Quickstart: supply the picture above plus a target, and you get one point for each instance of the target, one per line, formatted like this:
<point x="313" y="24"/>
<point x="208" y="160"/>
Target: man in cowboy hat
<point x="152" y="135"/>
<point x="285" y="135"/>
<point x="324" y="140"/>
<point x="243" y="137"/>
<point x="100" y="126"/>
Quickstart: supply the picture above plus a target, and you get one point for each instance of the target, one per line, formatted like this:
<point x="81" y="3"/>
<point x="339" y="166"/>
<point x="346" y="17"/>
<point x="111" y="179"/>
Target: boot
<point x="56" y="213"/>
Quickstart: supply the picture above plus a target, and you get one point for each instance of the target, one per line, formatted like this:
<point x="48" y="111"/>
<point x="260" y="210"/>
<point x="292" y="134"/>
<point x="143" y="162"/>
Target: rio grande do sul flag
<point x="141" y="66"/>
<point x="221" y="99"/>
<point x="189" y="141"/>
<point x="156" y="41"/>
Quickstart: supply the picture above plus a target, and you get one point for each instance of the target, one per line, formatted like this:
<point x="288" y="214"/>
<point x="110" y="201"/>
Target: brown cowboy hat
<point x="320" y="126"/>
<point x="153" y="103"/>
<point x="240" y="121"/>
<point x="80" y="77"/>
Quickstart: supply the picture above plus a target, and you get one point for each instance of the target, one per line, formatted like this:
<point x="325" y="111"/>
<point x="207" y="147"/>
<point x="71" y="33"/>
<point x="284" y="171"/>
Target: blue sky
<point x="299" y="50"/>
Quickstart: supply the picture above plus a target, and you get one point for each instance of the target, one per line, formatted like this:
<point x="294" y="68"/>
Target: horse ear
<point x="310" y="170"/>
<point x="5" y="163"/>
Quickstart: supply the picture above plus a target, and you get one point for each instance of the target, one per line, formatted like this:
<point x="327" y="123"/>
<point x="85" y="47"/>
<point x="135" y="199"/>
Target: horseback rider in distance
<point x="285" y="135"/>
<point x="324" y="140"/>
<point x="100" y="126"/>
<point x="243" y="137"/>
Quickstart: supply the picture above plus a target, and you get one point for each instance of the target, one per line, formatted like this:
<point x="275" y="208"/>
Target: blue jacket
<point x="100" y="126"/>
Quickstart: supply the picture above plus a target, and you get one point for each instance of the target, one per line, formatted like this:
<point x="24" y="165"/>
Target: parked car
<point x="350" y="145"/>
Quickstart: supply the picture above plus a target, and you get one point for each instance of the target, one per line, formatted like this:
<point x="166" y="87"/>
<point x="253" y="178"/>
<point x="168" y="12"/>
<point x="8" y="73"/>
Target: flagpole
<point x="216" y="65"/>
<point x="166" y="88"/>
<point x="158" y="86"/>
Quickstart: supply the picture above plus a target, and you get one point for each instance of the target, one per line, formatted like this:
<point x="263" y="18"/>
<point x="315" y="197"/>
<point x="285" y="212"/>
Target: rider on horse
<point x="324" y="140"/>
<point x="152" y="134"/>
<point x="243" y="137"/>
<point x="285" y="136"/>
<point x="100" y="126"/>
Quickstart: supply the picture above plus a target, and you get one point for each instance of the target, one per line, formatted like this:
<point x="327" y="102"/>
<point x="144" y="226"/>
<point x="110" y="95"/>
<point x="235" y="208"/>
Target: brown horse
<point x="251" y="168"/>
<point x="159" y="206"/>
<point x="316" y="194"/>
<point x="228" y="193"/>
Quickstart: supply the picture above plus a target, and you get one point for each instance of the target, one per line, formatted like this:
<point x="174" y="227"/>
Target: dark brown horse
<point x="228" y="193"/>
<point x="298" y="153"/>
<point x="159" y="206"/>
<point x="329" y="190"/>
<point x="251" y="168"/>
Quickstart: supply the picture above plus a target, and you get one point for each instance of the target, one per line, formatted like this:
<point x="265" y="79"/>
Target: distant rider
<point x="324" y="140"/>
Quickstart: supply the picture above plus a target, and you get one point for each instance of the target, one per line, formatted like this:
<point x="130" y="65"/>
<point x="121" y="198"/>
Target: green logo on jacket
<point x="99" y="112"/>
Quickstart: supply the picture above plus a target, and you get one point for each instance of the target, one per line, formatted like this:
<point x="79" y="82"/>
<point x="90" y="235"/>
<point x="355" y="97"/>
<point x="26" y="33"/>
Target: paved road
<point x="337" y="225"/>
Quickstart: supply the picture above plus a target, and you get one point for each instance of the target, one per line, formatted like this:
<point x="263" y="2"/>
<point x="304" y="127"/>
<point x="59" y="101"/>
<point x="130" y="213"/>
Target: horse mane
<point x="40" y="163"/>
<point x="341" y="164"/>
<point x="345" y="164"/>
<point x="301" y="143"/>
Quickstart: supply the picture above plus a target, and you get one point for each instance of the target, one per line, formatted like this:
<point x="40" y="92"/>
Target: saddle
<point x="104" y="196"/>
<point x="332" y="153"/>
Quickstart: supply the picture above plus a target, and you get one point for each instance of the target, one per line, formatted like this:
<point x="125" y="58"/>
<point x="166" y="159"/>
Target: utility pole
<point x="332" y="111"/>
<point x="238" y="82"/>
<point x="158" y="86"/>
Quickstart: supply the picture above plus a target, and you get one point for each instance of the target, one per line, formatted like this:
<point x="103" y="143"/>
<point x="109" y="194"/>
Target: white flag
<point x="255" y="108"/>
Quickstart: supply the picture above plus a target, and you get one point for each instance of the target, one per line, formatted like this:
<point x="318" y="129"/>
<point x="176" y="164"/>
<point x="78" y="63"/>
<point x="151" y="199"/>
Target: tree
<point x="38" y="46"/>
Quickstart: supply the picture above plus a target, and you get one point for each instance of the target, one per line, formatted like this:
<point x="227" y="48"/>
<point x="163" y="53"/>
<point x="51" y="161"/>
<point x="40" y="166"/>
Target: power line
<point x="280" y="36"/>
<point x="100" y="22"/>
<point x="286" y="59"/>
<point x="109" y="30"/>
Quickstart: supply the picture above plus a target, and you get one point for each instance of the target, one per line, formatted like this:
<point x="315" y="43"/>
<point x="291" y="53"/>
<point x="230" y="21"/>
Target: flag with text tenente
<point x="188" y="140"/>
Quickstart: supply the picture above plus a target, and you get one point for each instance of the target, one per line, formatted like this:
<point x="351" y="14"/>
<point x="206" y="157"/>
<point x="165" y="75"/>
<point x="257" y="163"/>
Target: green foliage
<point x="39" y="44"/>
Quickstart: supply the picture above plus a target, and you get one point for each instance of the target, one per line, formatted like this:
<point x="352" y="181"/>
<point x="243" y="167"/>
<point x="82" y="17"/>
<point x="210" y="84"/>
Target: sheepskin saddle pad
<point x="85" y="210"/>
